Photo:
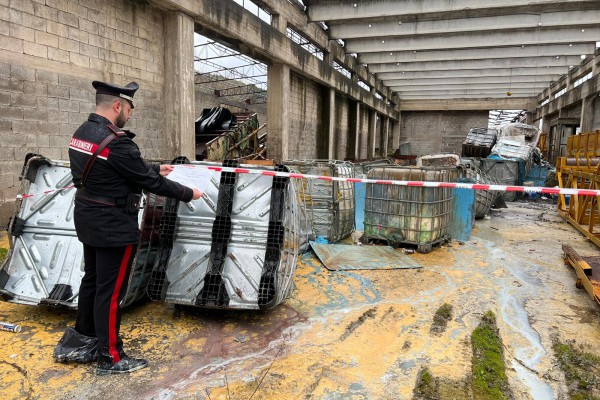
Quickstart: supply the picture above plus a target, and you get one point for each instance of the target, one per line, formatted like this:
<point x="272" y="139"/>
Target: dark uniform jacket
<point x="119" y="171"/>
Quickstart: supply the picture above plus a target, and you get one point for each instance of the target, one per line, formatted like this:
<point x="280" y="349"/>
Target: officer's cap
<point x="124" y="92"/>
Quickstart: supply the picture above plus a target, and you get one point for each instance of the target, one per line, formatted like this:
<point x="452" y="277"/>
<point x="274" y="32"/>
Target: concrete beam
<point x="541" y="80"/>
<point x="377" y="29"/>
<point x="246" y="33"/>
<point x="179" y="86"/>
<point x="590" y="88"/>
<point x="480" y="39"/>
<point x="478" y="54"/>
<point x="467" y="91"/>
<point x="492" y="63"/>
<point x="467" y="73"/>
<point x="297" y="18"/>
<point x="474" y="103"/>
<point x="534" y="86"/>
<point x="341" y="10"/>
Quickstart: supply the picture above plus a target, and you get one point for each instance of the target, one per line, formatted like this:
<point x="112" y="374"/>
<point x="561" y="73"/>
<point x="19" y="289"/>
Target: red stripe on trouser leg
<point x="114" y="305"/>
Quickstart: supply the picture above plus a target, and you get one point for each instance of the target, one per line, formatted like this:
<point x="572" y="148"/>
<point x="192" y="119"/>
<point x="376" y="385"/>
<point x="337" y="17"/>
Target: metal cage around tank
<point x="329" y="204"/>
<point x="412" y="215"/>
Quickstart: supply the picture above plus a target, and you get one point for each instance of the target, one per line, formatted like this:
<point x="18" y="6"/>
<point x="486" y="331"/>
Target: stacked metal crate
<point x="329" y="204"/>
<point x="234" y="248"/>
<point x="412" y="215"/>
<point x="479" y="142"/>
<point x="45" y="261"/>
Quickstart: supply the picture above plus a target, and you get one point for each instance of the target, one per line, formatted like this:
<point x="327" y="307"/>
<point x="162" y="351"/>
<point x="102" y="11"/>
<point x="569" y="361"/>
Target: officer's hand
<point x="197" y="194"/>
<point x="166" y="169"/>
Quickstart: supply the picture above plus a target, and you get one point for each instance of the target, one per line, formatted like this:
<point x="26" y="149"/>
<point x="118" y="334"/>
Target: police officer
<point x="110" y="174"/>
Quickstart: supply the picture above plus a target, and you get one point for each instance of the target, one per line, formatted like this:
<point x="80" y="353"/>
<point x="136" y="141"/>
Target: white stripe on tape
<point x="293" y="175"/>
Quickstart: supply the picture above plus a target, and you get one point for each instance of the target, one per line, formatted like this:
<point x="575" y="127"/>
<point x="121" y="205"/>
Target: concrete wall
<point x="305" y="113"/>
<point x="50" y="52"/>
<point x="341" y="127"/>
<point x="439" y="131"/>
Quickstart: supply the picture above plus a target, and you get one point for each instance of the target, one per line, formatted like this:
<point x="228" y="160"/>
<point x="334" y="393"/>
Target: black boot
<point x="76" y="347"/>
<point x="106" y="366"/>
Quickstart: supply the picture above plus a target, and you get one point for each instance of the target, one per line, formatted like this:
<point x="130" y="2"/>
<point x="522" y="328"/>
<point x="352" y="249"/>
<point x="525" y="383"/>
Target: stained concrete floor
<point x="341" y="335"/>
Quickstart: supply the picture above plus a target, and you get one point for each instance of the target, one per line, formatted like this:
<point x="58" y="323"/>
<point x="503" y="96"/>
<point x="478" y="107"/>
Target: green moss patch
<point x="425" y="388"/>
<point x="3" y="252"/>
<point x="581" y="369"/>
<point x="429" y="387"/>
<point x="488" y="367"/>
<point x="441" y="318"/>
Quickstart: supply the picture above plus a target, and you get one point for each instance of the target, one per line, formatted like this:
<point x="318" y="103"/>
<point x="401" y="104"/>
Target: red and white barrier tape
<point x="454" y="185"/>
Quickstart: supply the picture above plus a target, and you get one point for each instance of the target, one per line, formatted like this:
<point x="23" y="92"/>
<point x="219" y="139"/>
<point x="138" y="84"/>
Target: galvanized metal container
<point x="329" y="204"/>
<point x="479" y="142"/>
<point x="483" y="198"/>
<point x="409" y="214"/>
<point x="236" y="247"/>
<point x="45" y="262"/>
<point x="513" y="149"/>
<point x="506" y="172"/>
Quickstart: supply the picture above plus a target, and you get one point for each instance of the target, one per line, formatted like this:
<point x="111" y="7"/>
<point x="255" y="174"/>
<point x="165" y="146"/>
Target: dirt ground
<point x="341" y="335"/>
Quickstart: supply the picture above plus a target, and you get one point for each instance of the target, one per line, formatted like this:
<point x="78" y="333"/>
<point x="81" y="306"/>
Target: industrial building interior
<point x="400" y="197"/>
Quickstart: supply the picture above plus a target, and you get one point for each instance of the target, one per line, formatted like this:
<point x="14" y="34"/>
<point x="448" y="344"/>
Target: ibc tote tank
<point x="409" y="214"/>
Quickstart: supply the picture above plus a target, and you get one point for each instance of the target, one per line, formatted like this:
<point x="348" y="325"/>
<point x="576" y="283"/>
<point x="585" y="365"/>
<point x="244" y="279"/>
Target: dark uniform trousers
<point x="103" y="287"/>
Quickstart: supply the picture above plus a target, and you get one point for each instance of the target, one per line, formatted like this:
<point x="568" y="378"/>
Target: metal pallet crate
<point x="236" y="247"/>
<point x="45" y="262"/>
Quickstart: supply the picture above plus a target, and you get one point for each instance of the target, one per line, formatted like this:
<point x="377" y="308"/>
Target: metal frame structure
<point x="581" y="170"/>
<point x="216" y="63"/>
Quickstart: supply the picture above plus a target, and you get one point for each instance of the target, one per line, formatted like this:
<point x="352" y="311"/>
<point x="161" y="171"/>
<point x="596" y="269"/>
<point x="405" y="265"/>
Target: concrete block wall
<point x="50" y="51"/>
<point x="341" y="127"/>
<point x="306" y="110"/>
<point x="439" y="131"/>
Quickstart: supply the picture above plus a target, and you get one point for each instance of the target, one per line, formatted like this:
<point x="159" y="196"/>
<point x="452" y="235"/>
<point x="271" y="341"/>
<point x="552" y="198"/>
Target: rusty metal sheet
<point x="341" y="257"/>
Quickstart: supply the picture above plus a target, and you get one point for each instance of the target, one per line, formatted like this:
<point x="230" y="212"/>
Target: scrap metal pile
<point x="221" y="135"/>
<point x="508" y="156"/>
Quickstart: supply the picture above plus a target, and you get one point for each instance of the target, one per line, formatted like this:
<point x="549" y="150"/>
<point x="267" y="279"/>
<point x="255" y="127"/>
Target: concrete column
<point x="386" y="136"/>
<point x="179" y="86"/>
<point x="396" y="133"/>
<point x="372" y="134"/>
<point x="330" y="118"/>
<point x="278" y="99"/>
<point x="587" y="114"/>
<point x="357" y="132"/>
